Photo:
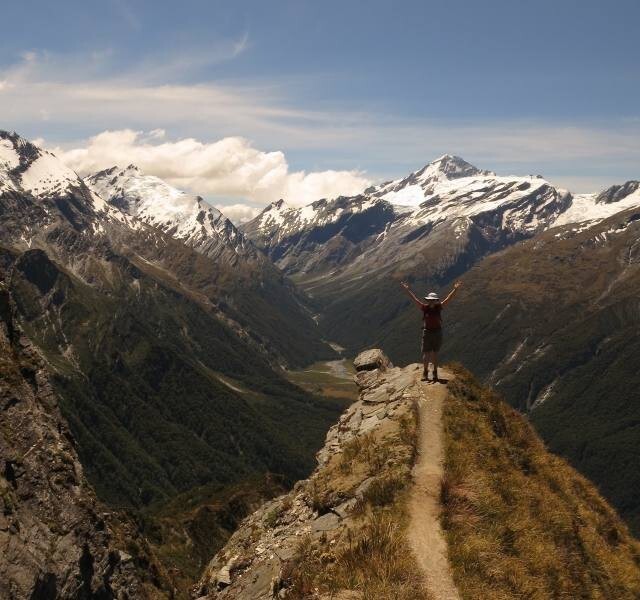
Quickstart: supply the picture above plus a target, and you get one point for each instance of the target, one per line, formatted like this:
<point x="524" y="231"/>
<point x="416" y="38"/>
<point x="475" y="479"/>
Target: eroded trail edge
<point x="426" y="536"/>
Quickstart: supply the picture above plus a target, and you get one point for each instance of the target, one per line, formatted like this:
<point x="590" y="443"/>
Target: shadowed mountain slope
<point x="162" y="354"/>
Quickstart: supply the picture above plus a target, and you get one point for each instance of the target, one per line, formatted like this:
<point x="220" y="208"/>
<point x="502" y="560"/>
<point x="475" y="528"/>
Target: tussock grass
<point x="520" y="522"/>
<point x="371" y="556"/>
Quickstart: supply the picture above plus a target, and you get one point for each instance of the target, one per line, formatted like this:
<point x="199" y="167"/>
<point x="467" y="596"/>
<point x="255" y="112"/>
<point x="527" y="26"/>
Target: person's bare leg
<point x="425" y="362"/>
<point x="434" y="360"/>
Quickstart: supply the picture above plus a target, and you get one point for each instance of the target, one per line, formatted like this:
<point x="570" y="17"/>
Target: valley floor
<point x="332" y="378"/>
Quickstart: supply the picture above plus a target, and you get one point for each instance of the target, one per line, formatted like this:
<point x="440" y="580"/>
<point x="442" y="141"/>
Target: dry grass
<point x="520" y="522"/>
<point x="371" y="556"/>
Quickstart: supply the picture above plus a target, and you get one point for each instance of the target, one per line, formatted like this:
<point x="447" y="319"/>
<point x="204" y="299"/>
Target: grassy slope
<point x="372" y="559"/>
<point x="578" y="341"/>
<point x="520" y="522"/>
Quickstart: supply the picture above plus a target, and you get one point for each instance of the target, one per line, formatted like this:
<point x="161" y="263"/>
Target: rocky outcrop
<point x="370" y="360"/>
<point x="54" y="541"/>
<point x="366" y="447"/>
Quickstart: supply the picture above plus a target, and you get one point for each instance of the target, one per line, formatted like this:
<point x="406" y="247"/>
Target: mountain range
<point x="162" y="348"/>
<point x="165" y="332"/>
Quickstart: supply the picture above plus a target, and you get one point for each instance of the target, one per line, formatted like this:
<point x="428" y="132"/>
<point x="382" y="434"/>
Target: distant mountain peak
<point x="617" y="193"/>
<point x="449" y="166"/>
<point x="184" y="216"/>
<point x="27" y="167"/>
<point x="25" y="152"/>
<point x="416" y="187"/>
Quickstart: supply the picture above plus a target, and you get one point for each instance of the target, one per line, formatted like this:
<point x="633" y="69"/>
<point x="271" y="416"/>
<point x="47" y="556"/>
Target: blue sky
<point x="374" y="87"/>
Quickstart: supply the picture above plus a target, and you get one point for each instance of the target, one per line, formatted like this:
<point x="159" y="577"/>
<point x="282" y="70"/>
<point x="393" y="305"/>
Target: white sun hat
<point x="431" y="296"/>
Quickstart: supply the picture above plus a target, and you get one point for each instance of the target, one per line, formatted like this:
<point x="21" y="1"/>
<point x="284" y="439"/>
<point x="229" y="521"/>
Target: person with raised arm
<point x="431" y="309"/>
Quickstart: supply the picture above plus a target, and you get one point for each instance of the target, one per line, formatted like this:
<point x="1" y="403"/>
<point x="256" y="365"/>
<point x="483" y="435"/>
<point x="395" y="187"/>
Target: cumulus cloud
<point x="227" y="168"/>
<point x="239" y="213"/>
<point x="65" y="96"/>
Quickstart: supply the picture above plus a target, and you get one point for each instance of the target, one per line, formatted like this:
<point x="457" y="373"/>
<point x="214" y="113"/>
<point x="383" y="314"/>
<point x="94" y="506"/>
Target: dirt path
<point x="425" y="534"/>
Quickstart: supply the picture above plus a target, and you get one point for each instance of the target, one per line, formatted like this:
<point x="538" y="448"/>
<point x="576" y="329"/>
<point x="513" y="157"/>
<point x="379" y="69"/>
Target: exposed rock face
<point x="259" y="561"/>
<point x="615" y="193"/>
<point x="370" y="360"/>
<point x="53" y="541"/>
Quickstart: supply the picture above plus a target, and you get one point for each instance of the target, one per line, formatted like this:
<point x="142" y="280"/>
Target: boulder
<point x="371" y="359"/>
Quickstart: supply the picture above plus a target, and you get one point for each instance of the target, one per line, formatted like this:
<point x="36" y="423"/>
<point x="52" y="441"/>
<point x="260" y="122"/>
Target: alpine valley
<point x="548" y="314"/>
<point x="148" y="344"/>
<point x="163" y="341"/>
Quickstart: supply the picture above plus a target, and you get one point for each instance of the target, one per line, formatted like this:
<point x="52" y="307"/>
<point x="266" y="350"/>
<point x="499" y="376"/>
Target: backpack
<point x="431" y="316"/>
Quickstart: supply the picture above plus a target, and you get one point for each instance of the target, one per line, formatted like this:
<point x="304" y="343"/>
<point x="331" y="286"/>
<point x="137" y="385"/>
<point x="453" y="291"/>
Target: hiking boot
<point x="435" y="375"/>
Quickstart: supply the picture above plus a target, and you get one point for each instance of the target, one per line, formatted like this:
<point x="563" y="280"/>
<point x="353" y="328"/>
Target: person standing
<point x="431" y="326"/>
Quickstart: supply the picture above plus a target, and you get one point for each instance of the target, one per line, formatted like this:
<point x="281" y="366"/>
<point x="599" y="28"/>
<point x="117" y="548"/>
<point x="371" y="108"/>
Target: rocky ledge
<point x="366" y="450"/>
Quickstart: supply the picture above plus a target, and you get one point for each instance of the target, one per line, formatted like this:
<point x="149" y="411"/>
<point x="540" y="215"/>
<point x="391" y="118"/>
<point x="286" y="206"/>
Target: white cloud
<point x="239" y="213"/>
<point x="228" y="168"/>
<point x="80" y="95"/>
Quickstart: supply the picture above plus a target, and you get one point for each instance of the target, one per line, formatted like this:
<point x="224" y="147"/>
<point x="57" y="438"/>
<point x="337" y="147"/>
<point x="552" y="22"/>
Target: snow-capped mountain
<point x="184" y="216"/>
<point x="393" y="221"/>
<point x="330" y="229"/>
<point x="593" y="208"/>
<point x="26" y="168"/>
<point x="416" y="187"/>
<point x="124" y="195"/>
<point x="448" y="202"/>
<point x="144" y="225"/>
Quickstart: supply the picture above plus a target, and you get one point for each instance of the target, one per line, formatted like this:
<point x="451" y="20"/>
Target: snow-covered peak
<point x="425" y="182"/>
<point x="619" y="193"/>
<point x="524" y="204"/>
<point x="275" y="215"/>
<point x="25" y="166"/>
<point x="184" y="216"/>
<point x="283" y="220"/>
<point x="448" y="167"/>
<point x="147" y="197"/>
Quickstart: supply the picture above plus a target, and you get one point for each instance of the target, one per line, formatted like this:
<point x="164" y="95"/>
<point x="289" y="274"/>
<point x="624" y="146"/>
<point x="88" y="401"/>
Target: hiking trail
<point x="425" y="533"/>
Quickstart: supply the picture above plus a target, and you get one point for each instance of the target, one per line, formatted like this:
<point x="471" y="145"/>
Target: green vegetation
<point x="186" y="531"/>
<point x="138" y="370"/>
<point x="569" y="308"/>
<point x="520" y="522"/>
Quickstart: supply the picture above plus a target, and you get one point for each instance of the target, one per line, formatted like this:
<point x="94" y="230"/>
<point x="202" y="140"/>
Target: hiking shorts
<point x="431" y="340"/>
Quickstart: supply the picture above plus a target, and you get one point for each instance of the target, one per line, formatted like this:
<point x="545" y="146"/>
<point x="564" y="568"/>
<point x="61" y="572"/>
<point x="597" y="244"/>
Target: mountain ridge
<point x="346" y="531"/>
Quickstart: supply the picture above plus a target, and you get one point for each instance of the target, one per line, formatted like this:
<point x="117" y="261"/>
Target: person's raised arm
<point x="451" y="294"/>
<point x="406" y="288"/>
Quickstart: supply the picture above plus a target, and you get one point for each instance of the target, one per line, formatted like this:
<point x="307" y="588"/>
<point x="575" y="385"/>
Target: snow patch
<point x="46" y="175"/>
<point x="585" y="208"/>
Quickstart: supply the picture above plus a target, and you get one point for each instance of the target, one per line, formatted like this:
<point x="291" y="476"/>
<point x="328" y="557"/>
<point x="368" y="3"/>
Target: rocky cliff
<point x="54" y="540"/>
<point x="314" y="541"/>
